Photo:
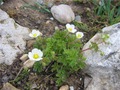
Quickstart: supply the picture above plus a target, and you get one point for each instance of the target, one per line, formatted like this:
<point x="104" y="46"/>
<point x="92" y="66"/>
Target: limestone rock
<point x="105" y="70"/>
<point x="8" y="86"/>
<point x="63" y="13"/>
<point x="111" y="57"/>
<point x="12" y="38"/>
<point x="3" y="15"/>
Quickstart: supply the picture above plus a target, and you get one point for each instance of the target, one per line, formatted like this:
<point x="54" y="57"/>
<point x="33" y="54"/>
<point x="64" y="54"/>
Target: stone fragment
<point x="24" y="57"/>
<point x="30" y="43"/>
<point x="104" y="70"/>
<point x="71" y="88"/>
<point x="78" y="18"/>
<point x="65" y="87"/>
<point x="63" y="13"/>
<point x="8" y="86"/>
<point x="28" y="64"/>
<point x="34" y="85"/>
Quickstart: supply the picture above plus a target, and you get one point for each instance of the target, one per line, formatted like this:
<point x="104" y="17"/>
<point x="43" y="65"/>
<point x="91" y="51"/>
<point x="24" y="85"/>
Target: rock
<point x="30" y="43"/>
<point x="34" y="86"/>
<point x="3" y="15"/>
<point x="65" y="87"/>
<point x="78" y="18"/>
<point x="71" y="88"/>
<point x="105" y="70"/>
<point x="12" y="38"/>
<point x="5" y="79"/>
<point x="63" y="13"/>
<point x="24" y="57"/>
<point x="28" y="64"/>
<point x="8" y="86"/>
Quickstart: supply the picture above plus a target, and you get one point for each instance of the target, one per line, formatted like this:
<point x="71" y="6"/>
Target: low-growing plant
<point x="61" y="53"/>
<point x="108" y="11"/>
<point x="39" y="7"/>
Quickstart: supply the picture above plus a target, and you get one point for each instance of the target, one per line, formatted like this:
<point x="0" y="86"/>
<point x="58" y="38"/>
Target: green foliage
<point x="78" y="0"/>
<point x="22" y="75"/>
<point x="38" y="7"/>
<point x="38" y="66"/>
<point x="64" y="51"/>
<point x="82" y="26"/>
<point x="105" y="37"/>
<point x="94" y="46"/>
<point x="108" y="11"/>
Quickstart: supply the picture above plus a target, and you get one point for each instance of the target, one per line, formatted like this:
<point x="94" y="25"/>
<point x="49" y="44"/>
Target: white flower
<point x="35" y="55"/>
<point x="79" y="35"/>
<point x="71" y="28"/>
<point x="35" y="33"/>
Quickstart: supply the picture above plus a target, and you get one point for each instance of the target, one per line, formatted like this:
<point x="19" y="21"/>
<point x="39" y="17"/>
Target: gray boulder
<point x="63" y="13"/>
<point x="12" y="38"/>
<point x="105" y="70"/>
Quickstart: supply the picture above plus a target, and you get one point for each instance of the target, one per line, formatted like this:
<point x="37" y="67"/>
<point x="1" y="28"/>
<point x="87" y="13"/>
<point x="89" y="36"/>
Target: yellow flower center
<point x="79" y="36"/>
<point x="70" y="29"/>
<point x="35" y="56"/>
<point x="34" y="34"/>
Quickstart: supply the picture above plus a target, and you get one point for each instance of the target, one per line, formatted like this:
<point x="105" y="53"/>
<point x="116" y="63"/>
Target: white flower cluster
<point x="35" y="54"/>
<point x="71" y="28"/>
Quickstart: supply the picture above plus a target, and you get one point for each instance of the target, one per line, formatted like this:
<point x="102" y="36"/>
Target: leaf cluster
<point x="108" y="11"/>
<point x="64" y="51"/>
<point x="39" y="7"/>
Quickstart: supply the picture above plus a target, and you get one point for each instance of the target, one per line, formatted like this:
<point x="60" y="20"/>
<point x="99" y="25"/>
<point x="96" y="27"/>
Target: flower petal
<point x="79" y="34"/>
<point x="73" y="31"/>
<point x="30" y="55"/>
<point x="67" y="26"/>
<point x="73" y="26"/>
<point x="31" y="35"/>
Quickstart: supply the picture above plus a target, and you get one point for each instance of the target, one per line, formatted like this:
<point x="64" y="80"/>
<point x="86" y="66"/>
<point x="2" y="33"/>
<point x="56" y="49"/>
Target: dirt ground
<point x="36" y="20"/>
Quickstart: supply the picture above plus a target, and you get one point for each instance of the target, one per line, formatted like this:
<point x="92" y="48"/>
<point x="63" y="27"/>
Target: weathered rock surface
<point x="12" y="38"/>
<point x="105" y="69"/>
<point x="63" y="13"/>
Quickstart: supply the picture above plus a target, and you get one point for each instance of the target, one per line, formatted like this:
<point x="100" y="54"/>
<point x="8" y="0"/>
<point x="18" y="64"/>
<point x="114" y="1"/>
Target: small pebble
<point x="5" y="78"/>
<point x="52" y="18"/>
<point x="65" y="87"/>
<point x="34" y="86"/>
<point x="80" y="79"/>
<point x="28" y="64"/>
<point x="78" y="18"/>
<point x="71" y="88"/>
